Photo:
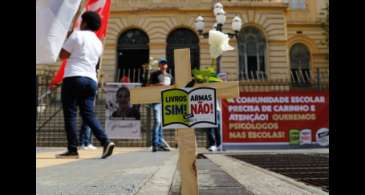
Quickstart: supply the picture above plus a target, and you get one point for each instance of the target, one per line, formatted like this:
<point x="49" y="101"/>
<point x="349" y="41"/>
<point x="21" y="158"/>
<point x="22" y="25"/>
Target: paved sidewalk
<point x="128" y="171"/>
<point x="141" y="172"/>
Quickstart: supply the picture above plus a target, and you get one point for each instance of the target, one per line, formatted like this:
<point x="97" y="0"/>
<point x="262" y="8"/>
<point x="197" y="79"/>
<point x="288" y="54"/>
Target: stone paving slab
<point x="161" y="181"/>
<point x="121" y="174"/>
<point x="210" y="175"/>
<point x="46" y="157"/>
<point x="212" y="180"/>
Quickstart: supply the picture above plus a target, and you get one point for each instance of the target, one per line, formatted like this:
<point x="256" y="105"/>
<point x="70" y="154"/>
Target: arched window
<point x="132" y="53"/>
<point x="300" y="64"/>
<point x="183" y="38"/>
<point x="252" y="51"/>
<point x="297" y="4"/>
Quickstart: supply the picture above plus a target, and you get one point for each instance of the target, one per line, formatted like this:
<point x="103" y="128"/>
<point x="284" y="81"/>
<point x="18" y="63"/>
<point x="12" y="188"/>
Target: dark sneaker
<point x="155" y="149"/>
<point x="164" y="148"/>
<point x="108" y="150"/>
<point x="68" y="155"/>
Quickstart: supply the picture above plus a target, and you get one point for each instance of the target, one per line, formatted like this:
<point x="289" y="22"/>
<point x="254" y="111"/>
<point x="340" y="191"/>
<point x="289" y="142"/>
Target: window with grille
<point x="300" y="64"/>
<point x="132" y="53"/>
<point x="183" y="38"/>
<point x="252" y="51"/>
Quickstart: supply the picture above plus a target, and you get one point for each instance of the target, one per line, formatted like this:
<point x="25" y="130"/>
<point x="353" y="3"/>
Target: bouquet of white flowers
<point x="218" y="43"/>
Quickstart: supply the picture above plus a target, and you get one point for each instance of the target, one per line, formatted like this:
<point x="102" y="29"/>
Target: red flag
<point x="102" y="7"/>
<point x="59" y="76"/>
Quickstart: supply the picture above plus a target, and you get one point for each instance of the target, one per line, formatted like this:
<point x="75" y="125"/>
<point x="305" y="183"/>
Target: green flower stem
<point x="214" y="62"/>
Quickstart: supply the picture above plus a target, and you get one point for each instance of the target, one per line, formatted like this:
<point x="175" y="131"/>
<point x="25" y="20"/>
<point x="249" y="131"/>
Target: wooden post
<point x="186" y="138"/>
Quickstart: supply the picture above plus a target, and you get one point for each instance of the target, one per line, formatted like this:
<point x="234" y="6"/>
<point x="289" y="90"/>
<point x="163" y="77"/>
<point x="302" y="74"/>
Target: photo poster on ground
<point x="295" y="119"/>
<point x="122" y="119"/>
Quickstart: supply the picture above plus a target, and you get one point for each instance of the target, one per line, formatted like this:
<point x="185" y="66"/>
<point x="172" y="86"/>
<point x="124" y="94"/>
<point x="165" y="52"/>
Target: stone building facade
<point x="277" y="36"/>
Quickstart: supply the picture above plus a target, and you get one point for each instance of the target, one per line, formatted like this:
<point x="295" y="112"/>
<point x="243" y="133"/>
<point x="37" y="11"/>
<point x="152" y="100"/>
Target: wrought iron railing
<point x="50" y="124"/>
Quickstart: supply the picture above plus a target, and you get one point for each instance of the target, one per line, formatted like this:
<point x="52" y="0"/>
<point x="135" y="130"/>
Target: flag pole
<point x="77" y="16"/>
<point x="101" y="72"/>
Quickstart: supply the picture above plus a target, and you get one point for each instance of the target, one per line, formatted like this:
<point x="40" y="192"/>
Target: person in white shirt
<point x="83" y="50"/>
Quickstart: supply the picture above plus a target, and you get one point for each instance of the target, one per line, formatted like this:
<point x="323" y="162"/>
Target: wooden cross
<point x="185" y="136"/>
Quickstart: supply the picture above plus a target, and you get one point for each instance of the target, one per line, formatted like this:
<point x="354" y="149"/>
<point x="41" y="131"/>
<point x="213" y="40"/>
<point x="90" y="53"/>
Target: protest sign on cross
<point x="185" y="136"/>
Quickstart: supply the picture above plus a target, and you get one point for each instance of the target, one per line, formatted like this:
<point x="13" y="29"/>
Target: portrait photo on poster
<point x="122" y="119"/>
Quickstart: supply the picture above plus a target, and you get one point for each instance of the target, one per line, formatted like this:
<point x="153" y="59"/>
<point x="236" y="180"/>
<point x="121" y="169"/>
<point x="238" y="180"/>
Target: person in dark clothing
<point x="159" y="78"/>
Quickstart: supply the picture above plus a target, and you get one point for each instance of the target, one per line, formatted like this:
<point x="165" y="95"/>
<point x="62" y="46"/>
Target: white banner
<point x="122" y="118"/>
<point x="53" y="19"/>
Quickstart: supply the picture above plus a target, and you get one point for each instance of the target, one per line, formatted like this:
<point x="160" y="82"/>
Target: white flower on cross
<point x="218" y="43"/>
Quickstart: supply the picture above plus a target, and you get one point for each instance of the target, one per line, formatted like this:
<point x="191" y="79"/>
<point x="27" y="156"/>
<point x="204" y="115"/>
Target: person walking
<point x="83" y="50"/>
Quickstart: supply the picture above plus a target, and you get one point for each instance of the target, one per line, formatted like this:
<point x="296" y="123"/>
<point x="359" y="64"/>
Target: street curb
<point x="268" y="151"/>
<point x="160" y="182"/>
<point x="260" y="181"/>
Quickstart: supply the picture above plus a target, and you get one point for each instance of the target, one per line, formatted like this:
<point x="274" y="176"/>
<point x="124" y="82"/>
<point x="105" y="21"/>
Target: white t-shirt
<point x="164" y="79"/>
<point x="86" y="49"/>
